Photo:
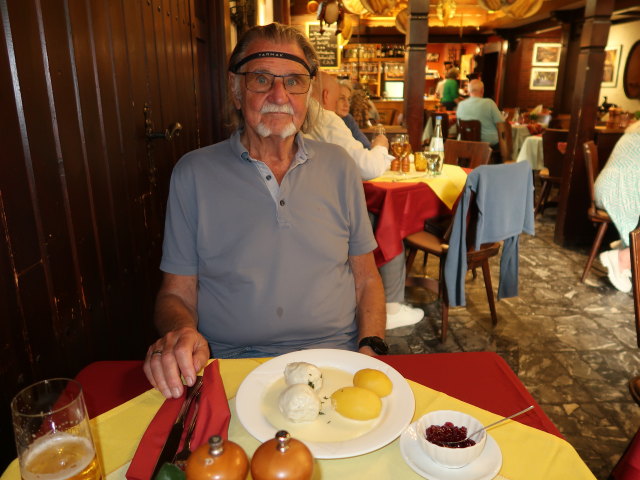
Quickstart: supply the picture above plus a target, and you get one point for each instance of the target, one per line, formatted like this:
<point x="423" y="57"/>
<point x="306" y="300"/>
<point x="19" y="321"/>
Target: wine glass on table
<point x="52" y="433"/>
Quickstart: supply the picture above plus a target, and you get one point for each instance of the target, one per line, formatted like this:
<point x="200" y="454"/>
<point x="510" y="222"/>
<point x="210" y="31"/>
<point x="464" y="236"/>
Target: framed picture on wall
<point x="611" y="64"/>
<point x="546" y="54"/>
<point x="433" y="57"/>
<point x="543" y="79"/>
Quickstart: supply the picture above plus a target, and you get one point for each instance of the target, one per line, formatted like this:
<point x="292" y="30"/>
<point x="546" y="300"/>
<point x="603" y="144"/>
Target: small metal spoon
<point x="491" y="425"/>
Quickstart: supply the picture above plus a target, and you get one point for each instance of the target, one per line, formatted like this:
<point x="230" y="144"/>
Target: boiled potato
<point x="373" y="380"/>
<point x="356" y="403"/>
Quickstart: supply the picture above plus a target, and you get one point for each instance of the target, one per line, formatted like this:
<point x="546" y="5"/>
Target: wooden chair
<point x="494" y="188"/>
<point x="466" y="154"/>
<point x="505" y="141"/>
<point x="431" y="244"/>
<point x="562" y="121"/>
<point x="634" y="246"/>
<point x="597" y="216"/>
<point x="510" y="111"/>
<point x="469" y="130"/>
<point x="551" y="174"/>
<point x="387" y="115"/>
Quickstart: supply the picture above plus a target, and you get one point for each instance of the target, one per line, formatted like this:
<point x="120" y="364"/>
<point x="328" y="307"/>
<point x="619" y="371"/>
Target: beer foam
<point x="56" y="457"/>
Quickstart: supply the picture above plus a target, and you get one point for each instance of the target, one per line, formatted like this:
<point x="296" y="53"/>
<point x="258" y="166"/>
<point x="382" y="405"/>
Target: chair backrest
<point x="505" y="140"/>
<point x="591" y="161"/>
<point x="561" y="120"/>
<point x="510" y="111"/>
<point x="444" y="122"/>
<point x="387" y="115"/>
<point x="466" y="154"/>
<point x="553" y="158"/>
<point x="469" y="130"/>
<point x="634" y="244"/>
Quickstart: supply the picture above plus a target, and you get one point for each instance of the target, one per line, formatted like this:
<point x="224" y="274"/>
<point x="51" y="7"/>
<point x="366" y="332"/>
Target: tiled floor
<point x="573" y="345"/>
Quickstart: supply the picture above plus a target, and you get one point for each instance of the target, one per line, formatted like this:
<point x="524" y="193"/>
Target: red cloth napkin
<point x="213" y="419"/>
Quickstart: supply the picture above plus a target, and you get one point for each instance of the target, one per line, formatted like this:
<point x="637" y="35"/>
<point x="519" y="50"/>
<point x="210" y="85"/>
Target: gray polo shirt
<point x="271" y="260"/>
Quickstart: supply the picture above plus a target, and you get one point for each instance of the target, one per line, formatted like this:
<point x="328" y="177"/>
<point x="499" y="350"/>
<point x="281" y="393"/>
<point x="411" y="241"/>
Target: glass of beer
<point x="53" y="437"/>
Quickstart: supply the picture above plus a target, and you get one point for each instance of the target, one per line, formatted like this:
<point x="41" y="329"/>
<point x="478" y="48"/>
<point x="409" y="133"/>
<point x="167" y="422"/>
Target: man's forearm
<point x="172" y="312"/>
<point x="371" y="312"/>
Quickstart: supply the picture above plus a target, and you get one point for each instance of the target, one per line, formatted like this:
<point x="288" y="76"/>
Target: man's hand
<point x="180" y="352"/>
<point x="380" y="140"/>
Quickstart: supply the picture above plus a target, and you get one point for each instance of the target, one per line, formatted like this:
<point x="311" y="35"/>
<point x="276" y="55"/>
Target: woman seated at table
<point x="617" y="190"/>
<point x="343" y="107"/>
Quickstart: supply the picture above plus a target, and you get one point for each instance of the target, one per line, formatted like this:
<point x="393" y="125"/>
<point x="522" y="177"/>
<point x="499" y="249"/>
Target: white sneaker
<point x="621" y="279"/>
<point x="400" y="315"/>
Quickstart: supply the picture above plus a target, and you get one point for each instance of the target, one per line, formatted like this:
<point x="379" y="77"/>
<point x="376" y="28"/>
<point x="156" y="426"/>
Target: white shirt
<point x="329" y="127"/>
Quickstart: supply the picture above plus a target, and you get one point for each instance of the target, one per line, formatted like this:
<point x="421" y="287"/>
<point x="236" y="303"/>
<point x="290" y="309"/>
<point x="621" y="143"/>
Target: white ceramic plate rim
<point x="397" y="408"/>
<point x="485" y="467"/>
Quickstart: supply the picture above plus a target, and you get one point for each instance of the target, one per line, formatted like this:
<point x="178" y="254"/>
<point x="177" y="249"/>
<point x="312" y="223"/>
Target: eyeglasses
<point x="262" y="82"/>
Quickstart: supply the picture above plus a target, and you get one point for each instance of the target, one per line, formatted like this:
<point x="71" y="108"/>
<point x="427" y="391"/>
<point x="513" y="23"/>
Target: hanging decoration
<point x="354" y="6"/>
<point x="446" y="10"/>
<point x="379" y="7"/>
<point x="330" y="11"/>
<point x="513" y="8"/>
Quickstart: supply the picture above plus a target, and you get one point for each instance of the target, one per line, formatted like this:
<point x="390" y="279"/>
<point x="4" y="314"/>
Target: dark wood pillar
<point x="281" y="12"/>
<point x="572" y="226"/>
<point x="414" y="64"/>
<point x="562" y="69"/>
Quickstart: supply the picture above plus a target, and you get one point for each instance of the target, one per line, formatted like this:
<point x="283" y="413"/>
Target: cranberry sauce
<point x="442" y="434"/>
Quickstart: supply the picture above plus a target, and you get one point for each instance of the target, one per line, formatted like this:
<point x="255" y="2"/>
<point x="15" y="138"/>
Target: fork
<point x="181" y="457"/>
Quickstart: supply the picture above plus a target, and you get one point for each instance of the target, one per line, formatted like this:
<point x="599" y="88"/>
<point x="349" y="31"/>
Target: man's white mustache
<point x="273" y="108"/>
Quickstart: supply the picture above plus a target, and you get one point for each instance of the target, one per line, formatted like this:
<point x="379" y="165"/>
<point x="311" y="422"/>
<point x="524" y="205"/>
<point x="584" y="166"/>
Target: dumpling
<point x="303" y="372"/>
<point x="299" y="403"/>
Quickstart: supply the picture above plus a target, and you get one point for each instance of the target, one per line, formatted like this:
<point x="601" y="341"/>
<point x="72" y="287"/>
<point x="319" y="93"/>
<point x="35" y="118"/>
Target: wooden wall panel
<point x="82" y="190"/>
<point x="516" y="92"/>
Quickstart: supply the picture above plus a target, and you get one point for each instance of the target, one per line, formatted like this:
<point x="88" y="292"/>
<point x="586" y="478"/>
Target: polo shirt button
<point x="282" y="203"/>
<point x="268" y="177"/>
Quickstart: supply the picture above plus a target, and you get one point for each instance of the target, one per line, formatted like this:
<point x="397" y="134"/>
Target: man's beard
<point x="287" y="131"/>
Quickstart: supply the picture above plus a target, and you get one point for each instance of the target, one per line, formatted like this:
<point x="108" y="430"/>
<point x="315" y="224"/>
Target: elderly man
<point x="268" y="246"/>
<point x="483" y="109"/>
<point x="330" y="128"/>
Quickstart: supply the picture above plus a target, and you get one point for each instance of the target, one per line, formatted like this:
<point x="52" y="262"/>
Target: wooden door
<point x="82" y="189"/>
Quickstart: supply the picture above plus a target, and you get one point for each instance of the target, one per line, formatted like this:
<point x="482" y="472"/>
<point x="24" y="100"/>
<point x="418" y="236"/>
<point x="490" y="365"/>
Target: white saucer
<point x="485" y="467"/>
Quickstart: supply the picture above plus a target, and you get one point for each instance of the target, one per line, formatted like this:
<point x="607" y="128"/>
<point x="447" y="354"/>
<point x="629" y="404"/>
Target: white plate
<point x="397" y="408"/>
<point x="485" y="467"/>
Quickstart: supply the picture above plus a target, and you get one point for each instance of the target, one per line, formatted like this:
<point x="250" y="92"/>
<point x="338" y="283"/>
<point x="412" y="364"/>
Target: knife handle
<point x="191" y="393"/>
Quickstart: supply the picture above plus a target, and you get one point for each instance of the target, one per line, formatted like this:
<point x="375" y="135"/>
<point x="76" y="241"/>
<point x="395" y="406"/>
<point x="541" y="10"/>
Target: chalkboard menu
<point x="326" y="44"/>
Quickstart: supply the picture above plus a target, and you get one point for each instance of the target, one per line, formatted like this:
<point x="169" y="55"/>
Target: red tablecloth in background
<point x="402" y="209"/>
<point x="480" y="378"/>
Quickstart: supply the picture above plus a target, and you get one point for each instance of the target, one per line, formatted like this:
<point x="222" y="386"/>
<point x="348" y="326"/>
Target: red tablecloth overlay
<point x="401" y="209"/>
<point x="480" y="378"/>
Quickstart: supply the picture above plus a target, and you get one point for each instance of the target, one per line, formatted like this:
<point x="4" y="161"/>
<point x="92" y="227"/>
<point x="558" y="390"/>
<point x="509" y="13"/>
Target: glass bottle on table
<point x="436" y="149"/>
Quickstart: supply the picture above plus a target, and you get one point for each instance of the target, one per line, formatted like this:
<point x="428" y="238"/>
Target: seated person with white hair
<point x="483" y="109"/>
<point x="329" y="128"/>
<point x="342" y="110"/>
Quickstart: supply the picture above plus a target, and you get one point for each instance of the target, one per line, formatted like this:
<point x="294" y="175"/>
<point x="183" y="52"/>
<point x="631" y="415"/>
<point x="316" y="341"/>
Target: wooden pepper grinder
<point x="282" y="458"/>
<point x="217" y="460"/>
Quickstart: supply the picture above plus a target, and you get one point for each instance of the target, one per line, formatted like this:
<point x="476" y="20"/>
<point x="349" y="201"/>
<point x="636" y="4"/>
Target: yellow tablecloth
<point x="527" y="453"/>
<point x="446" y="186"/>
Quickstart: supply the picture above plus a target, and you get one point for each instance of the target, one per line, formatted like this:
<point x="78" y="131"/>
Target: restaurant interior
<point x="101" y="99"/>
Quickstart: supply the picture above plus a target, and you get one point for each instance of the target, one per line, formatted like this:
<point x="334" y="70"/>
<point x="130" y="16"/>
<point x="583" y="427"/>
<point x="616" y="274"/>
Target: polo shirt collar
<point x="303" y="154"/>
